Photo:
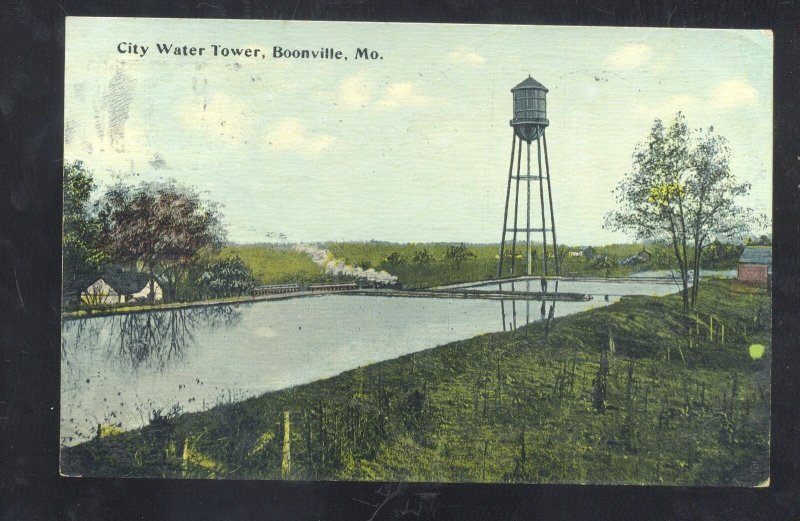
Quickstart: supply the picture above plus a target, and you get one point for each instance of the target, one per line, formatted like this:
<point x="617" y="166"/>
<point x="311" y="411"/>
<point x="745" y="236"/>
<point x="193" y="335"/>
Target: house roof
<point x="530" y="83"/>
<point x="757" y="255"/>
<point x="123" y="283"/>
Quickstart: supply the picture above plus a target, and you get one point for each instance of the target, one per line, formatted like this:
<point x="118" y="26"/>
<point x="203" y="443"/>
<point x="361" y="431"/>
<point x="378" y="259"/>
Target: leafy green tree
<point x="162" y="226"/>
<point x="721" y="255"/>
<point x="603" y="263"/>
<point x="763" y="240"/>
<point x="681" y="192"/>
<point x="457" y="254"/>
<point x="423" y="256"/>
<point x="227" y="278"/>
<point x="394" y="259"/>
<point x="82" y="229"/>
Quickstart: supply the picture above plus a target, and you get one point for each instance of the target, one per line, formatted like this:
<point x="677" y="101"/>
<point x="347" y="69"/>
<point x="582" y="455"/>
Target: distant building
<point x="589" y="253"/>
<point x="645" y="255"/>
<point x="755" y="265"/>
<point x="113" y="288"/>
<point x="576" y="253"/>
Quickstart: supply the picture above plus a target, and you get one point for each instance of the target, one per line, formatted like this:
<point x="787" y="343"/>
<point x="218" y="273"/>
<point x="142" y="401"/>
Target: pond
<point x="117" y="370"/>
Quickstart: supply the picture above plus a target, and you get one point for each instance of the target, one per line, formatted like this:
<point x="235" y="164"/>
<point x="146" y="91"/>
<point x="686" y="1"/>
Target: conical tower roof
<point x="530" y="83"/>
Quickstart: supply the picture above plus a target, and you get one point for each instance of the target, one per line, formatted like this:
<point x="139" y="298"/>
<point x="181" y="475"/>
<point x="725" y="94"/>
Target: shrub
<point x="226" y="278"/>
<point x="457" y="253"/>
<point x="423" y="256"/>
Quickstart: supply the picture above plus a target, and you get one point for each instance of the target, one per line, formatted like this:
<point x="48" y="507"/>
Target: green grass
<point x="516" y="406"/>
<point x="483" y="264"/>
<point x="272" y="264"/>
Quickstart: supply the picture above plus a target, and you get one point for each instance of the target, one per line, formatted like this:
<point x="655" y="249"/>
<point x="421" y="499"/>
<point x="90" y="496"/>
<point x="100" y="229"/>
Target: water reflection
<point x="152" y="340"/>
<point x="547" y="309"/>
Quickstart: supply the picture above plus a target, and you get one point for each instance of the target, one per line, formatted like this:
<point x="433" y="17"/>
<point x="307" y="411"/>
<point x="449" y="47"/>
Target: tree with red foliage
<point x="161" y="227"/>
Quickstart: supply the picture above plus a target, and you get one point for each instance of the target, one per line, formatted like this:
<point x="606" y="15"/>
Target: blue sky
<point x="411" y="147"/>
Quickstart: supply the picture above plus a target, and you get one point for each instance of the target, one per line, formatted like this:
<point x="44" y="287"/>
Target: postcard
<point x="310" y="251"/>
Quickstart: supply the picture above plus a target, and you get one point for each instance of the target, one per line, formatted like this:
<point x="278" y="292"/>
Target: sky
<point x="409" y="147"/>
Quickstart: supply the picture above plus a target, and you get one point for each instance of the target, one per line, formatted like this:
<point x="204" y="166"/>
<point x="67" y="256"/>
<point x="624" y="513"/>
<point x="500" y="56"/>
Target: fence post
<point x="681" y="353"/>
<point x="286" y="464"/>
<point x="612" y="348"/>
<point x="722" y="333"/>
<point x="711" y="327"/>
<point x="185" y="459"/>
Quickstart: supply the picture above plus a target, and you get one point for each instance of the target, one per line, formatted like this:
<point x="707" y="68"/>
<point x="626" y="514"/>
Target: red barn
<point x="755" y="265"/>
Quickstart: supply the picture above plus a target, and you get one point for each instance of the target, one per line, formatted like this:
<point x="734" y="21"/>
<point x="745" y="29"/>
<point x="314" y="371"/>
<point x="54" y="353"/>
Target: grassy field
<point x="274" y="264"/>
<point x="402" y="260"/>
<point x="426" y="265"/>
<point x="635" y="392"/>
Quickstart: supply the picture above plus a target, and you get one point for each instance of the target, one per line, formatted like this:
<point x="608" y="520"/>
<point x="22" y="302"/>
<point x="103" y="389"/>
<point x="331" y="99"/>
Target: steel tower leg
<point x="528" y="213"/>
<point x="550" y="198"/>
<point x="541" y="203"/>
<point x="516" y="212"/>
<point x="505" y="212"/>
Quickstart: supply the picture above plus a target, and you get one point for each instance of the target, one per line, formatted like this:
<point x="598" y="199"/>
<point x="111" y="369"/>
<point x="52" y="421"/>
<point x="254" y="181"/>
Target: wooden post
<point x="185" y="458"/>
<point x="485" y="450"/>
<point x="711" y="327"/>
<point x="722" y="333"/>
<point x="286" y="464"/>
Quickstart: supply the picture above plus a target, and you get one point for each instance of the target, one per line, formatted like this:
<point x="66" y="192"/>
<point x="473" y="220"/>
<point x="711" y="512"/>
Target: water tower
<point x="529" y="124"/>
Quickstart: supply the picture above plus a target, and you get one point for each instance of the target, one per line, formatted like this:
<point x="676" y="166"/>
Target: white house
<point x="117" y="288"/>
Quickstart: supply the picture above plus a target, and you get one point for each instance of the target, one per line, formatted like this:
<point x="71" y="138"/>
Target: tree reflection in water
<point x="547" y="311"/>
<point x="153" y="339"/>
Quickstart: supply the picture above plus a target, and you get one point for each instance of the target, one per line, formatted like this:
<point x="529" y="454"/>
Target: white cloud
<point x="291" y="134"/>
<point x="464" y="56"/>
<point x="629" y="56"/>
<point x="402" y="95"/>
<point x="732" y="93"/>
<point x="355" y="91"/>
<point x="360" y="91"/>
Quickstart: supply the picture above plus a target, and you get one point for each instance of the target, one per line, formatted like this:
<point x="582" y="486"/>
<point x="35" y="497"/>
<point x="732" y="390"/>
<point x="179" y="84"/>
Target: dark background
<point x="31" y="130"/>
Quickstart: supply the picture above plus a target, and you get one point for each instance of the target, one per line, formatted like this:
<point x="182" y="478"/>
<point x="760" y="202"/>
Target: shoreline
<point x="446" y="291"/>
<point x="123" y="310"/>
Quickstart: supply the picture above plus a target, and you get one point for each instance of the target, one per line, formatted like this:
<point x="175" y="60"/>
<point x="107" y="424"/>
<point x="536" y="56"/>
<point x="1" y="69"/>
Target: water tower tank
<point x="530" y="109"/>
